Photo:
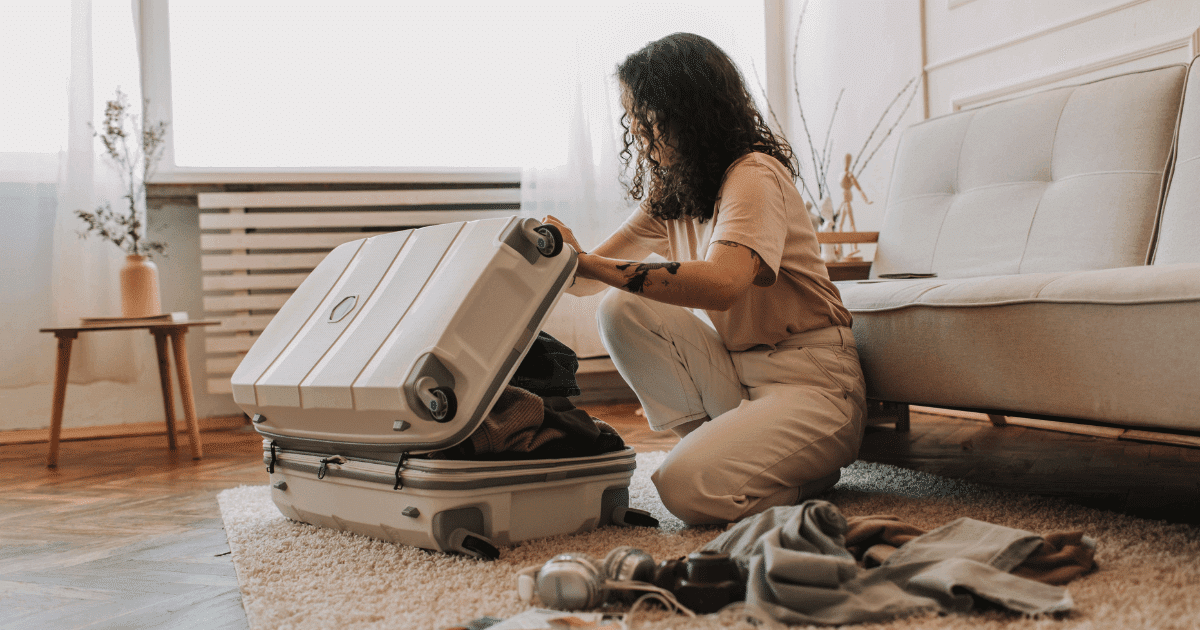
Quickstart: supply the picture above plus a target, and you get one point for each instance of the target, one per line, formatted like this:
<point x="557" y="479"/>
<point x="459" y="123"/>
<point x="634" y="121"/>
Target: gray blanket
<point x="798" y="570"/>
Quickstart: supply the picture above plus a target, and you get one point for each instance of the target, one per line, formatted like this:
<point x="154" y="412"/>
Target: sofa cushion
<point x="1179" y="228"/>
<point x="1067" y="179"/>
<point x="1111" y="345"/>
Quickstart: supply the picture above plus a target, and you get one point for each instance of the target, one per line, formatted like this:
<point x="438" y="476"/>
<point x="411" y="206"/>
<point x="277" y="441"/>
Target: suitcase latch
<point x="400" y="466"/>
<point x="271" y="464"/>
<point x="336" y="459"/>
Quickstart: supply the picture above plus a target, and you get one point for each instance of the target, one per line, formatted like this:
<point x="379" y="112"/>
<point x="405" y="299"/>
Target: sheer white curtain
<point x="582" y="188"/>
<point x="77" y="53"/>
<point x="586" y="194"/>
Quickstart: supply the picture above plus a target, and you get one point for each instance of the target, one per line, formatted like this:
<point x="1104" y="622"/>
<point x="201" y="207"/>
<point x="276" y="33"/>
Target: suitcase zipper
<point x="336" y="459"/>
<point x="415" y="474"/>
<point x="399" y="466"/>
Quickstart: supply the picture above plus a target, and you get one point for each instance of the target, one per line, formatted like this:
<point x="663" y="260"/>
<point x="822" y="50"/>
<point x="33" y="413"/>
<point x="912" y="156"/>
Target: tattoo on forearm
<point x="637" y="281"/>
<point x="753" y="254"/>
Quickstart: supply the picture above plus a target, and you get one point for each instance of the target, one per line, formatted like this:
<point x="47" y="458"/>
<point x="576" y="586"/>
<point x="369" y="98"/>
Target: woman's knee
<point x="617" y="309"/>
<point x="621" y="316"/>
<point x="682" y="488"/>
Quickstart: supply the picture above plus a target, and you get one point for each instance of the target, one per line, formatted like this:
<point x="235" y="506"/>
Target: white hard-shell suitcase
<point x="400" y="344"/>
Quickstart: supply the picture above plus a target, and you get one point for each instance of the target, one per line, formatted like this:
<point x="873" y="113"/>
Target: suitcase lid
<point x="403" y="342"/>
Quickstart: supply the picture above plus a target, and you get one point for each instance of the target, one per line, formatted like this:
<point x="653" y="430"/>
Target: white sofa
<point x="1063" y="228"/>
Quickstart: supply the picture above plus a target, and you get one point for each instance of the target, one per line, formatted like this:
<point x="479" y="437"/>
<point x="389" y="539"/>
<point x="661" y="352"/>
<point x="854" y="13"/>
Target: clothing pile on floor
<point x="807" y="564"/>
<point x="533" y="418"/>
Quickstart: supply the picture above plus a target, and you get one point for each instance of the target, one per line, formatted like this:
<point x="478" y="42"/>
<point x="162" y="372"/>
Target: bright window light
<point x="35" y="42"/>
<point x="337" y="84"/>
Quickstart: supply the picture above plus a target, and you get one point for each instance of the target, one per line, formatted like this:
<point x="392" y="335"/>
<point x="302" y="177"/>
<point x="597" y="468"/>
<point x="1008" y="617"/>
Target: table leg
<point x="164" y="378"/>
<point x="179" y="345"/>
<point x="65" y="340"/>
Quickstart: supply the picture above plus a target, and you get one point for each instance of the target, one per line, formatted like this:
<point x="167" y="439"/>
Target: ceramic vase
<point x="139" y="288"/>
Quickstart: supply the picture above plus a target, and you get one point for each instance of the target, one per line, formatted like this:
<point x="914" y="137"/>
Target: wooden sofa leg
<point x="901" y="411"/>
<point x="881" y="409"/>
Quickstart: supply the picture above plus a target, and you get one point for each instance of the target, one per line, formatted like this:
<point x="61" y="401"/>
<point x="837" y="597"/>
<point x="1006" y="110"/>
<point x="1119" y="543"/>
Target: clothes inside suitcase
<point x="400" y="344"/>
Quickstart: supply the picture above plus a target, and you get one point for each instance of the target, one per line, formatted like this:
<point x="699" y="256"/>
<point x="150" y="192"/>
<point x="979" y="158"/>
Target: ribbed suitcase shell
<point x="338" y="384"/>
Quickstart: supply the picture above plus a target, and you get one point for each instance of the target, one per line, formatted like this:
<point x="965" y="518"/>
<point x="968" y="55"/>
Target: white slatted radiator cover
<point x="257" y="247"/>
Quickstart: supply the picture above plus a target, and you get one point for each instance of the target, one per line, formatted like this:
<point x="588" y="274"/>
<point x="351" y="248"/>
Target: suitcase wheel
<point x="443" y="404"/>
<point x="472" y="544"/>
<point x="548" y="240"/>
<point x="633" y="517"/>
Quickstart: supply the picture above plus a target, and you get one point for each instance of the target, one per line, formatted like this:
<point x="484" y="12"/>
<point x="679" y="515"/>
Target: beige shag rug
<point x="294" y="575"/>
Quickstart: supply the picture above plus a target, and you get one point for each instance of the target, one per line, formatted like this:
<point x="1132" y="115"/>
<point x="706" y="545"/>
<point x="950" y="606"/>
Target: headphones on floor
<point x="704" y="581"/>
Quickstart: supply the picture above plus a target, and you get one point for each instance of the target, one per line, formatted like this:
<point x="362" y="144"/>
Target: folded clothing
<point x="1058" y="559"/>
<point x="808" y="564"/>
<point x="523" y="425"/>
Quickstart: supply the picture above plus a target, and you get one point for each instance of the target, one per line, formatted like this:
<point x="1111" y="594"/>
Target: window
<point x="336" y="84"/>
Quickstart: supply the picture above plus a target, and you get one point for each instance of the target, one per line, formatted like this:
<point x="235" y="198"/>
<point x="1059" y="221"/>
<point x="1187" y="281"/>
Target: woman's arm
<point x="615" y="246"/>
<point x="713" y="284"/>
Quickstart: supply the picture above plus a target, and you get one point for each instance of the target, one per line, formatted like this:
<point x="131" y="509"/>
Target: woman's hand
<point x="567" y="234"/>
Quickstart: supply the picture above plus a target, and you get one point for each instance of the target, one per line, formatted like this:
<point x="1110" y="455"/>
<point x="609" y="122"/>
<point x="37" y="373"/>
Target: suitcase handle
<point x="469" y="543"/>
<point x="633" y="517"/>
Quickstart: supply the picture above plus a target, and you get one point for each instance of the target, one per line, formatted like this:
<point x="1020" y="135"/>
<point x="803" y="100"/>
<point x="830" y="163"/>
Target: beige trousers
<point x="781" y="417"/>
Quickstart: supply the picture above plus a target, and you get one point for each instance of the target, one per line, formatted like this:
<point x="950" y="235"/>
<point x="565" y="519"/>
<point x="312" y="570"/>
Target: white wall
<point x="977" y="51"/>
<point x="981" y="51"/>
<point x="871" y="48"/>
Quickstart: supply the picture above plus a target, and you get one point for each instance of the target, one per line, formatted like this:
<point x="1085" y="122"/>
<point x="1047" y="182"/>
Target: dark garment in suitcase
<point x="548" y="369"/>
<point x="522" y="425"/>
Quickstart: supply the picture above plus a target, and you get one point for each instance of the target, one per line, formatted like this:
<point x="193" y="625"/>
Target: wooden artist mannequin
<point x="849" y="183"/>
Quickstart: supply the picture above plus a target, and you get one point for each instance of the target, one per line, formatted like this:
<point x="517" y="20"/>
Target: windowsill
<point x="440" y="174"/>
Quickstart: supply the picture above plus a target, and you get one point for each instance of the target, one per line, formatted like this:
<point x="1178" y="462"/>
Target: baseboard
<point x="602" y="387"/>
<point x="1112" y="433"/>
<point x="71" y="434"/>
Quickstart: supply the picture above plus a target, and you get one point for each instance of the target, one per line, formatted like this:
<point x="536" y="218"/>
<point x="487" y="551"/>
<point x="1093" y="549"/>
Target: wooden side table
<point x="848" y="269"/>
<point x="175" y="331"/>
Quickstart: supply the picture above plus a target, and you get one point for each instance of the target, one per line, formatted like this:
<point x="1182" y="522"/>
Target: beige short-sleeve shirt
<point x="758" y="207"/>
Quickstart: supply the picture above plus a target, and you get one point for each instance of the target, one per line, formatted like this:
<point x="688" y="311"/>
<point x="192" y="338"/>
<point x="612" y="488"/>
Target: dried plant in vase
<point x="818" y="194"/>
<point x="133" y="148"/>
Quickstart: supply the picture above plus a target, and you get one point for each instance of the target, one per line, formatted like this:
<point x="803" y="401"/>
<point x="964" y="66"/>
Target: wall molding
<point x="1032" y="34"/>
<point x="1095" y="64"/>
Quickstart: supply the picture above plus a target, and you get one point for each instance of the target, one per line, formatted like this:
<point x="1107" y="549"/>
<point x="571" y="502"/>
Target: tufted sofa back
<point x="1063" y="180"/>
<point x="1179" y="228"/>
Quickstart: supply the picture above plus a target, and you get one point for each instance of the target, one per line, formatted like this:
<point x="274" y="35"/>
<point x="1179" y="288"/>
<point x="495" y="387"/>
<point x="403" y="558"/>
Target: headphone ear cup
<point x="572" y="581"/>
<point x="626" y="564"/>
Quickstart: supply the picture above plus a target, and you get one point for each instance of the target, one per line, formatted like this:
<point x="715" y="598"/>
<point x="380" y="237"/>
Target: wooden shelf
<point x="847" y="237"/>
<point x="849" y="270"/>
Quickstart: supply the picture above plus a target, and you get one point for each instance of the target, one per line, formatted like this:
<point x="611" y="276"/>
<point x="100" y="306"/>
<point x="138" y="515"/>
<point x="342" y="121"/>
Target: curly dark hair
<point x="685" y="92"/>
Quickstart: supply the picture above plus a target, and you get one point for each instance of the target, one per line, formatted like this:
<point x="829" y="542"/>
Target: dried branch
<point x="134" y="154"/>
<point x="827" y="150"/>
<point x="880" y="121"/>
<point x="778" y="126"/>
<point x="904" y="111"/>
<point x="818" y="177"/>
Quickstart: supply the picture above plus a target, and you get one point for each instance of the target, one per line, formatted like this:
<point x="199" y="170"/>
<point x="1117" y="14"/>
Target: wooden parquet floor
<point x="127" y="534"/>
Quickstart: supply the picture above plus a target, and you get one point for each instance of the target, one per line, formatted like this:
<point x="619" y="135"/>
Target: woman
<point x="769" y="398"/>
